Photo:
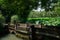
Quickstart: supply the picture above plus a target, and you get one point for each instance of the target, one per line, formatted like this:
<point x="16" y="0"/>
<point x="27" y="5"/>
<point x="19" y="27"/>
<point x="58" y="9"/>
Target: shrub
<point x="14" y="18"/>
<point x="46" y="20"/>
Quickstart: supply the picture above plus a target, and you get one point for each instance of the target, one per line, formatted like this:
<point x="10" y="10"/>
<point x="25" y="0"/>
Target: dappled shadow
<point x="4" y="31"/>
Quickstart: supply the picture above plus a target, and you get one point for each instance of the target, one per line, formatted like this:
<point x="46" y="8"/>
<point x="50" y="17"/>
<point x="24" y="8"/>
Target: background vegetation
<point x="50" y="21"/>
<point x="24" y="9"/>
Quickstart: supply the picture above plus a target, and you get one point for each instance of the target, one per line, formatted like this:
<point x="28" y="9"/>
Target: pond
<point x="10" y="37"/>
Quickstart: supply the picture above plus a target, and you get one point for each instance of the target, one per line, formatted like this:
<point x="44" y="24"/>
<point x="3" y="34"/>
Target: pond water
<point x="10" y="37"/>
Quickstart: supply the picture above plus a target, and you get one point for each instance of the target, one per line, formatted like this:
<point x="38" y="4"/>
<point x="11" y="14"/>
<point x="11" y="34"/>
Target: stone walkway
<point x="10" y="37"/>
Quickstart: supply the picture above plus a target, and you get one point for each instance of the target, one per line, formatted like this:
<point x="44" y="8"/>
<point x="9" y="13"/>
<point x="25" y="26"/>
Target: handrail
<point x="38" y="33"/>
<point x="47" y="34"/>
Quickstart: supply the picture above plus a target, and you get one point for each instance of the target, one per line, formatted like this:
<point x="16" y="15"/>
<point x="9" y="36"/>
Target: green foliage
<point x="23" y="7"/>
<point x="54" y="21"/>
<point x="54" y="13"/>
<point x="36" y="14"/>
<point x="57" y="9"/>
<point x="14" y="18"/>
<point x="47" y="4"/>
<point x="20" y="7"/>
<point x="2" y="21"/>
<point x="1" y="1"/>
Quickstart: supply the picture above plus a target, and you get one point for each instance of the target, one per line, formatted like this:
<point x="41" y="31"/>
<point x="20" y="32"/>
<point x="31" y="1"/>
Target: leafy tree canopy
<point x="23" y="7"/>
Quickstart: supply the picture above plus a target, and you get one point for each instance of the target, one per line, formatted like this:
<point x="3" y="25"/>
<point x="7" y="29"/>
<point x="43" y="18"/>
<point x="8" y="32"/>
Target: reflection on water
<point x="10" y="37"/>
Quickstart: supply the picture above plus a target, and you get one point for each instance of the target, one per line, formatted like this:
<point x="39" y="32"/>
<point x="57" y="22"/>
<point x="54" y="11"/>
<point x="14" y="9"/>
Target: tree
<point x="48" y="4"/>
<point x="22" y="7"/>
